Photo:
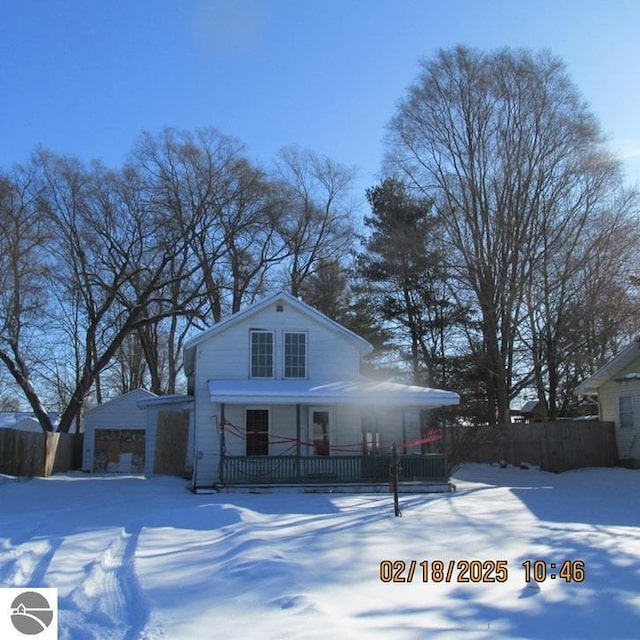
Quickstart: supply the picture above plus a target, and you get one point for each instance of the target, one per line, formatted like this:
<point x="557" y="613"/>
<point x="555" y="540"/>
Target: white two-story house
<point x="279" y="397"/>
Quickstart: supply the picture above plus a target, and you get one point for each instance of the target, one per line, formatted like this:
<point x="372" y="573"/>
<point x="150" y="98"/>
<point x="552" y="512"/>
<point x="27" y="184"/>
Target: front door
<point x="320" y="421"/>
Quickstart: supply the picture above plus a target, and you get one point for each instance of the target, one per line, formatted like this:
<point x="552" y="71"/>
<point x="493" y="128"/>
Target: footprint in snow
<point x="298" y="602"/>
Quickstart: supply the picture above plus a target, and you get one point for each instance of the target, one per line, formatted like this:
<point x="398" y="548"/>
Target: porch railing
<point x="319" y="469"/>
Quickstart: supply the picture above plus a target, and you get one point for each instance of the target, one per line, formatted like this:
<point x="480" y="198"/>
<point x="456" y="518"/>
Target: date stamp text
<point x="477" y="571"/>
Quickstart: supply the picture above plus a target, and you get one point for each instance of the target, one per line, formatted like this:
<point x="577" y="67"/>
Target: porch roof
<point x="176" y="399"/>
<point x="362" y="391"/>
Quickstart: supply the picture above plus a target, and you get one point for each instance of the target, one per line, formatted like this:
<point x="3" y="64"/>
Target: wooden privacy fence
<point x="26" y="453"/>
<point x="554" y="446"/>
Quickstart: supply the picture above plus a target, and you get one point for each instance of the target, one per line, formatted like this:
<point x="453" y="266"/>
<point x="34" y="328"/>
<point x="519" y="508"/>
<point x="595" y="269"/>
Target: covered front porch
<point x="296" y="433"/>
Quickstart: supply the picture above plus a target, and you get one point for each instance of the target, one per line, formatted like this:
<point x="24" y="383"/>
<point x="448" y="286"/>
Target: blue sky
<point x="85" y="77"/>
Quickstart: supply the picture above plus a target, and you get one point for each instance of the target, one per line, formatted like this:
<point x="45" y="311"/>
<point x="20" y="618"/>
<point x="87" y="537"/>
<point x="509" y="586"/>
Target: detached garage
<point x="139" y="432"/>
<point x="115" y="435"/>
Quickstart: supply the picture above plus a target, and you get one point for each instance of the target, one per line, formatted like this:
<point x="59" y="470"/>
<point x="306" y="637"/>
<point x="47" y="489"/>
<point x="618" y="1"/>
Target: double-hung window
<point x="295" y="354"/>
<point x="625" y="412"/>
<point x="261" y="354"/>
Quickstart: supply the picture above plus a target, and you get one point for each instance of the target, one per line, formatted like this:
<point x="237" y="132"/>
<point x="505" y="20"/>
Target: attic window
<point x="279" y="307"/>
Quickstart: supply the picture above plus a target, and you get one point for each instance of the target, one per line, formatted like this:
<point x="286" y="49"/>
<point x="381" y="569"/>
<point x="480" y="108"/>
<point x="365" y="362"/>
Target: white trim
<point x="286" y="332"/>
<point x="273" y="354"/>
<point x="633" y="411"/>
<point x="330" y="427"/>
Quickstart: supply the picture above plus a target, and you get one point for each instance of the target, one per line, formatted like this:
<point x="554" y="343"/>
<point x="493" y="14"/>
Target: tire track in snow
<point x="109" y="603"/>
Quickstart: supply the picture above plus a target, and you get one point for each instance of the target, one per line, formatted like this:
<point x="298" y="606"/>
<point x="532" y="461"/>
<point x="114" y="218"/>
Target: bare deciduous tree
<point x="514" y="159"/>
<point x="24" y="269"/>
<point x="317" y="222"/>
<point x="203" y="187"/>
<point x="112" y="259"/>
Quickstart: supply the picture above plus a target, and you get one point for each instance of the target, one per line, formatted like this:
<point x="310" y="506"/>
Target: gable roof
<point x="611" y="369"/>
<point x="529" y="406"/>
<point x="134" y="396"/>
<point x="361" y="344"/>
<point x="175" y="399"/>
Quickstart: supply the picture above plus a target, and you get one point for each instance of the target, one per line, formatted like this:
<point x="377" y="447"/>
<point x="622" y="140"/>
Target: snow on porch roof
<point x="390" y="394"/>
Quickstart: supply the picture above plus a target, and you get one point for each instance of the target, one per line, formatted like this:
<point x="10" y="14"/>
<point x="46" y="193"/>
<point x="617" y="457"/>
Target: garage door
<point x="119" y="450"/>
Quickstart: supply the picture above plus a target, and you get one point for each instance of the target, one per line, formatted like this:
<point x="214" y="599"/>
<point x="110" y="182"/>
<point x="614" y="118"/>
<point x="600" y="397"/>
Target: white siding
<point x="345" y="428"/>
<point x="235" y="444"/>
<point x="225" y="356"/>
<point x="282" y="426"/>
<point x="628" y="439"/>
<point x="207" y="444"/>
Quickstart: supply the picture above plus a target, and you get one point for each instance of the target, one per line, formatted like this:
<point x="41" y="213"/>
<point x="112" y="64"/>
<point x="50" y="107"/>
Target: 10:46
<point x="568" y="570"/>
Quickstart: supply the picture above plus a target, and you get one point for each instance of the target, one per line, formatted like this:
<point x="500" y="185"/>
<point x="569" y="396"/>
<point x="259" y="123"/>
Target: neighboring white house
<point x="24" y="421"/>
<point x="279" y="378"/>
<point x="616" y="389"/>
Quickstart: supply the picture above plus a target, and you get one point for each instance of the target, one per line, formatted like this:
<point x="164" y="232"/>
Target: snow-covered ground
<point x="144" y="558"/>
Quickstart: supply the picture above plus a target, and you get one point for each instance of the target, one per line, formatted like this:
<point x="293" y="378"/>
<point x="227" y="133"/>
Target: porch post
<point x="298" y="437"/>
<point x="376" y="432"/>
<point x="404" y="431"/>
<point x="394" y="479"/>
<point x="222" y="444"/>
